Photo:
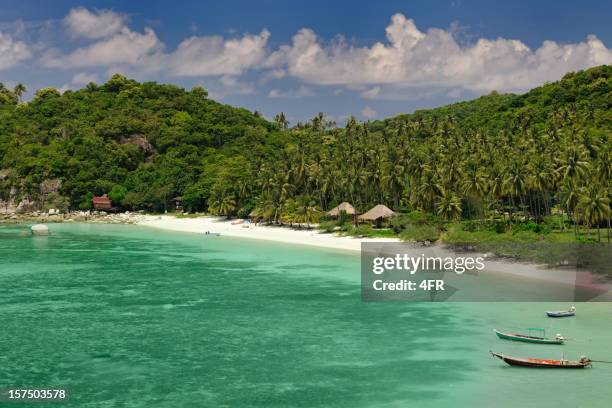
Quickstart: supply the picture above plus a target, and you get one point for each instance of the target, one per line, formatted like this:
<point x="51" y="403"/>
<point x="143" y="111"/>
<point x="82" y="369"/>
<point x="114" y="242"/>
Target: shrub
<point x="362" y="230"/>
<point x="327" y="226"/>
<point x="86" y="203"/>
<point x="56" y="201"/>
<point x="531" y="226"/>
<point x="419" y="217"/>
<point x="399" y="222"/>
<point x="420" y="233"/>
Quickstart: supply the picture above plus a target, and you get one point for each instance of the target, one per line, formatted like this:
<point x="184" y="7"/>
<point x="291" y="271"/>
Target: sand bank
<point x="312" y="237"/>
<point x="232" y="228"/>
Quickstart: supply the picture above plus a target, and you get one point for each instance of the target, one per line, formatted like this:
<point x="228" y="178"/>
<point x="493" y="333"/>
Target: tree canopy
<point x="147" y="143"/>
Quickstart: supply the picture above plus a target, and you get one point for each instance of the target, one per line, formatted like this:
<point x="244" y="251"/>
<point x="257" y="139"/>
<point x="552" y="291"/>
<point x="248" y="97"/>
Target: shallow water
<point x="125" y="316"/>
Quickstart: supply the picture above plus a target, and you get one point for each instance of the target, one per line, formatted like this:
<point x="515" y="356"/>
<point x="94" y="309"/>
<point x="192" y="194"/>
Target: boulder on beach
<point x="39" y="229"/>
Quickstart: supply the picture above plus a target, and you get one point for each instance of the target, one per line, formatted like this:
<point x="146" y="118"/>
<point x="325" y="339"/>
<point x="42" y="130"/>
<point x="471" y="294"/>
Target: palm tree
<point x="449" y="205"/>
<point x="575" y="164"/>
<point x="475" y="183"/>
<point x="569" y="194"/>
<point x="281" y="121"/>
<point x="428" y="190"/>
<point x="594" y="206"/>
<point x="516" y="182"/>
<point x="227" y="205"/>
<point x="496" y="186"/>
<point x="19" y="90"/>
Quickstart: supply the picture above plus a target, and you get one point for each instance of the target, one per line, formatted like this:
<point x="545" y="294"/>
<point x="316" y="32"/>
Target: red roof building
<point x="102" y="203"/>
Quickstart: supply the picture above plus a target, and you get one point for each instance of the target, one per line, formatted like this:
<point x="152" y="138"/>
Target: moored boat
<point x="558" y="339"/>
<point x="562" y="313"/>
<point x="543" y="363"/>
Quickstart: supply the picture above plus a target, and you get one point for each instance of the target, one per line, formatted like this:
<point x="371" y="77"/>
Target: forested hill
<point x="150" y="140"/>
<point x="148" y="143"/>
<point x="583" y="91"/>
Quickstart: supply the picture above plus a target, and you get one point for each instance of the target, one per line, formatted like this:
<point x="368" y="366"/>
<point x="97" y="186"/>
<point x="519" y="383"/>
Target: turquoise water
<point x="125" y="316"/>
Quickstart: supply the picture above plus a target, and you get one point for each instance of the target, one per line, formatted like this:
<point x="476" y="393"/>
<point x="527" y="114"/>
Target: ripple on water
<point x="165" y="320"/>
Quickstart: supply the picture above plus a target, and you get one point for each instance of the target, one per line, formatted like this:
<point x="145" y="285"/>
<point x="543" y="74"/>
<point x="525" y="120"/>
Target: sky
<point x="363" y="58"/>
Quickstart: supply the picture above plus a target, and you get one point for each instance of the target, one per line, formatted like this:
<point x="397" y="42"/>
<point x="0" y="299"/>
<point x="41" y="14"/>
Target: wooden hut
<point x="377" y="214"/>
<point x="102" y="202"/>
<point x="337" y="210"/>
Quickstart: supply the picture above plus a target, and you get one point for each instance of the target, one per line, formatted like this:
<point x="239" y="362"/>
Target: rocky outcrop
<point x="26" y="206"/>
<point x="140" y="141"/>
<point x="74" y="216"/>
<point x="50" y="186"/>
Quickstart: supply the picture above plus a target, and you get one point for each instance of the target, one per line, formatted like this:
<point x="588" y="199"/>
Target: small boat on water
<point x="562" y="313"/>
<point x="558" y="339"/>
<point x="543" y="363"/>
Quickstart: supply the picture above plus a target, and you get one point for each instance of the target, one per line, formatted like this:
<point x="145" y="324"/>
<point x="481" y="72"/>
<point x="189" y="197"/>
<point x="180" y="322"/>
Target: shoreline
<point x="239" y="229"/>
<point x="500" y="266"/>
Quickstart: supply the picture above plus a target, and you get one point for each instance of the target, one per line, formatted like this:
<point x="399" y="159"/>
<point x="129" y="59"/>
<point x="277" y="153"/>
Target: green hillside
<point x="501" y="157"/>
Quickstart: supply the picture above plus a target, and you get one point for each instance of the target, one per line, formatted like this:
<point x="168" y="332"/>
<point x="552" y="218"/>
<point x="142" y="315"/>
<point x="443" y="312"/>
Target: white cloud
<point x="126" y="47"/>
<point x="78" y="80"/>
<point x="99" y="24"/>
<point x="412" y="58"/>
<point x="235" y="86"/>
<point x="369" y="113"/>
<point x="276" y="74"/>
<point x="371" y="93"/>
<point x="118" y="46"/>
<point x="228" y="85"/>
<point x="12" y="51"/>
<point x="214" y="55"/>
<point x="454" y="93"/>
<point x="83" y="78"/>
<point x="301" y="92"/>
<point x="409" y="64"/>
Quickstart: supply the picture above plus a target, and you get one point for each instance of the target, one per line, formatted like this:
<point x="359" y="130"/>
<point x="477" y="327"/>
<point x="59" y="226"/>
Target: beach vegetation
<point x="502" y="165"/>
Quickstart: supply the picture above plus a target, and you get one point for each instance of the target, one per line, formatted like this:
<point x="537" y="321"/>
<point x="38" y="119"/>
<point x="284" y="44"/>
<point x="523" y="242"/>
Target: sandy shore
<point x="262" y="232"/>
<point x="313" y="237"/>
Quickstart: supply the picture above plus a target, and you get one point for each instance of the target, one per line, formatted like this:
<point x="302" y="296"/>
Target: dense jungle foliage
<point x="499" y="158"/>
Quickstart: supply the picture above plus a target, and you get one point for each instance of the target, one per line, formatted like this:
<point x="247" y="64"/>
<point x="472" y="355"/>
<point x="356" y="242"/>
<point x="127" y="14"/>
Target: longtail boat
<point x="558" y="339"/>
<point x="562" y="313"/>
<point x="543" y="363"/>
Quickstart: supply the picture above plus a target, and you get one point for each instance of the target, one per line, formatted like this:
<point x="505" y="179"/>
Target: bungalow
<point x="377" y="214"/>
<point x="102" y="202"/>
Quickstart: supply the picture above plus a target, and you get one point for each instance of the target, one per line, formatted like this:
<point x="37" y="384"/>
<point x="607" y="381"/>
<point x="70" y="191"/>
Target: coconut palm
<point x="449" y="205"/>
<point x="281" y="121"/>
<point x="575" y="163"/>
<point x="227" y="206"/>
<point x="594" y="207"/>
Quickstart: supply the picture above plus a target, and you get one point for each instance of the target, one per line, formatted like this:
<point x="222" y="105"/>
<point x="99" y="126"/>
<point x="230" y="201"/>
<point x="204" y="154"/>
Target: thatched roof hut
<point x="346" y="207"/>
<point x="377" y="213"/>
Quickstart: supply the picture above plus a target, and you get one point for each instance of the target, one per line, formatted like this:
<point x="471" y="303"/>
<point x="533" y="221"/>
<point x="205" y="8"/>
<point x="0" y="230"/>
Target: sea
<point x="129" y="316"/>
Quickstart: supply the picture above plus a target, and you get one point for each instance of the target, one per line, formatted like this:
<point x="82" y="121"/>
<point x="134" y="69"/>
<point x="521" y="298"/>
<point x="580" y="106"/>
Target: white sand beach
<point x="232" y="228"/>
<point x="312" y="237"/>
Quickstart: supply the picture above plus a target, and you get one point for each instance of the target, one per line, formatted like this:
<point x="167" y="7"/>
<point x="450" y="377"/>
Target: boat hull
<point x="561" y="314"/>
<point x="540" y="363"/>
<point x="527" y="339"/>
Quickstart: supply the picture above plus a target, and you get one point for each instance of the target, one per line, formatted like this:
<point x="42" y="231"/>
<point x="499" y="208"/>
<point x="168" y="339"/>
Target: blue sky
<point x="362" y="58"/>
